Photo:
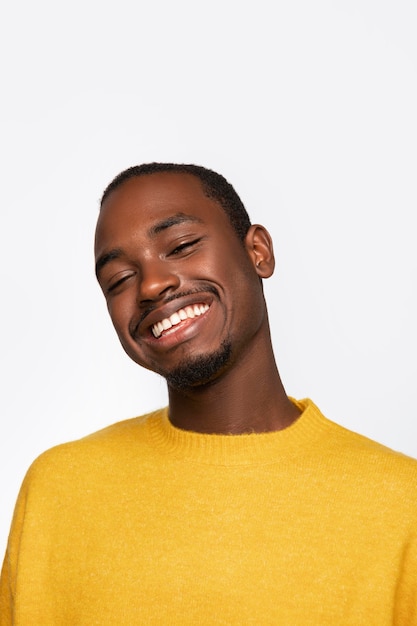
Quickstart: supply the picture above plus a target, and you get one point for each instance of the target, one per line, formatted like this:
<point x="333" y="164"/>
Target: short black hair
<point x="214" y="186"/>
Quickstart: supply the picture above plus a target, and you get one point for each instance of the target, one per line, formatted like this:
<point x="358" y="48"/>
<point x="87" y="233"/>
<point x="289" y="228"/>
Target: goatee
<point x="199" y="370"/>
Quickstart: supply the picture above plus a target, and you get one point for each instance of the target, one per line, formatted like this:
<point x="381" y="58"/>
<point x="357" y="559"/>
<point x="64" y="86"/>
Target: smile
<point x="188" y="312"/>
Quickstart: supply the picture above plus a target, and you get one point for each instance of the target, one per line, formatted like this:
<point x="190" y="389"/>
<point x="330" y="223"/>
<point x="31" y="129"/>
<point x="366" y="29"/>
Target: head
<point x="214" y="185"/>
<point x="181" y="268"/>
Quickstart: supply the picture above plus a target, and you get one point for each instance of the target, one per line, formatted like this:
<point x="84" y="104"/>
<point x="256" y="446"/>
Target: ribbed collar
<point x="248" y="449"/>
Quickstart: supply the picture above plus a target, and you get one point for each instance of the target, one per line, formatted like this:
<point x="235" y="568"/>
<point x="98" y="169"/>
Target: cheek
<point x="121" y="317"/>
<point x="224" y="269"/>
<point x="248" y="298"/>
<point x="119" y="311"/>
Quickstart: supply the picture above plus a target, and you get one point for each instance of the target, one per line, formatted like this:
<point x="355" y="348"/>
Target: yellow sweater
<point x="143" y="523"/>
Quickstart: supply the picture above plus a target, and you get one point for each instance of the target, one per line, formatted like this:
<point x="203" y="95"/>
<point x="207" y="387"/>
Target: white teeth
<point x="188" y="313"/>
<point x="175" y="319"/>
<point x="166" y="324"/>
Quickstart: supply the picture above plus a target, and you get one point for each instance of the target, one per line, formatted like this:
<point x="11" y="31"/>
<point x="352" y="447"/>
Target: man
<point x="236" y="504"/>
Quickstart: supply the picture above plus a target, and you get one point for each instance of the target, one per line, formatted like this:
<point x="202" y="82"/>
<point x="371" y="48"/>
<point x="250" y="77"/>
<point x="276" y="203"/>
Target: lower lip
<point x="181" y="332"/>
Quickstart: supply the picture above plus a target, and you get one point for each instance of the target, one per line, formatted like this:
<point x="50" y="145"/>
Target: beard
<point x="199" y="370"/>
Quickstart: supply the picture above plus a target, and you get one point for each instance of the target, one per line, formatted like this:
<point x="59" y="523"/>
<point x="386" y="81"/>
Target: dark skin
<point x="163" y="248"/>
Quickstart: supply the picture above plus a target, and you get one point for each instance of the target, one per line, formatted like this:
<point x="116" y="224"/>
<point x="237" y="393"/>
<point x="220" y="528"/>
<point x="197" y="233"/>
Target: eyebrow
<point x="173" y="220"/>
<point x="116" y="253"/>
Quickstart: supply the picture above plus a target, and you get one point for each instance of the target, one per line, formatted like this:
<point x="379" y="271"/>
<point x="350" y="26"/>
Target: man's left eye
<point x="183" y="247"/>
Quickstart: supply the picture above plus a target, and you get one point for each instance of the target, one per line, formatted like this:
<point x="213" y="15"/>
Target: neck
<point x="247" y="398"/>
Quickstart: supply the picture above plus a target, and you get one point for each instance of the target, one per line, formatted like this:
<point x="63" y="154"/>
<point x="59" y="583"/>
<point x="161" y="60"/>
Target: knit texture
<point x="143" y="523"/>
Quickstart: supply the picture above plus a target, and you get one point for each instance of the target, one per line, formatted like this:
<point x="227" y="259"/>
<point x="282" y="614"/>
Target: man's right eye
<point x="117" y="283"/>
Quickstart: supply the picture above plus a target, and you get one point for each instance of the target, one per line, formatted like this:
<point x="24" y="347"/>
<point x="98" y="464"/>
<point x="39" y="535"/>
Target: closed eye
<point x="117" y="283"/>
<point x="184" y="246"/>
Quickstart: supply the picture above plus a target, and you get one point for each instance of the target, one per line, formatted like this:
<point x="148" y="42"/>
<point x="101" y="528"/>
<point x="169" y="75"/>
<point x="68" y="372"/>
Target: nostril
<point x="156" y="284"/>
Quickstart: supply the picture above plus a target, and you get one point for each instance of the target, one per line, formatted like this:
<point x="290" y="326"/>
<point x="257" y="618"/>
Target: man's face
<point x="181" y="289"/>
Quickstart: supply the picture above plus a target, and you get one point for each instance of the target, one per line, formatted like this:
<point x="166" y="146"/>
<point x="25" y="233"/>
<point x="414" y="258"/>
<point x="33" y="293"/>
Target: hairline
<point x="240" y="223"/>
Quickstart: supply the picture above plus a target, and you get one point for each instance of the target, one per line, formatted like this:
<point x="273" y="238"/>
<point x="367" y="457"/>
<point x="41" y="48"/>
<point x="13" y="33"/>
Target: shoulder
<point x="361" y="447"/>
<point x="359" y="454"/>
<point x="106" y="447"/>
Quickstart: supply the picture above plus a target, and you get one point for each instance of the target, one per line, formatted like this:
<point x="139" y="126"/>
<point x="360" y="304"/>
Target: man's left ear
<point x="259" y="246"/>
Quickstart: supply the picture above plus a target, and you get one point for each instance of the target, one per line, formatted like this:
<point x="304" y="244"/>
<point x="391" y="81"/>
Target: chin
<point x="199" y="370"/>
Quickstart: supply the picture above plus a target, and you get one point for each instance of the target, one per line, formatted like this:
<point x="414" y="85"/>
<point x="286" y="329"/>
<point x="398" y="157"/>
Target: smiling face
<point x="182" y="290"/>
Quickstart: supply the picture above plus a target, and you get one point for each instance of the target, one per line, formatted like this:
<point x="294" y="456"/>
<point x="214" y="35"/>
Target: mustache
<point x="175" y="296"/>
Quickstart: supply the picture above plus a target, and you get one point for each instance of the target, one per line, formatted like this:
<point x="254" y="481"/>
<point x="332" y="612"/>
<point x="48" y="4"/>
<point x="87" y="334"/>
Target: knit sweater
<point x="144" y="523"/>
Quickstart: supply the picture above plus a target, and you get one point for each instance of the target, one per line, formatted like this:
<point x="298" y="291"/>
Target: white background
<point x="308" y="108"/>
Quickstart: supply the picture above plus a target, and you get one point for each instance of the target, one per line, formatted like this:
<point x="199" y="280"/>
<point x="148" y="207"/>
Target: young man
<point x="236" y="504"/>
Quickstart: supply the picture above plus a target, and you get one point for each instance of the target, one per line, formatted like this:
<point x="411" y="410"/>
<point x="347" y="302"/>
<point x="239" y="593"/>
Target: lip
<point x="180" y="333"/>
<point x="143" y="329"/>
<point x="180" y="317"/>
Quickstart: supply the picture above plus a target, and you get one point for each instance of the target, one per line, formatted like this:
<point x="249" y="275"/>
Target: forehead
<point x="143" y="201"/>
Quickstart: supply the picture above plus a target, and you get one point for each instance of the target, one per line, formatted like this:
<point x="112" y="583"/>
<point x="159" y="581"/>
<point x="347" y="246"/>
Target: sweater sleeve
<point x="406" y="597"/>
<point x="5" y="594"/>
<point x="10" y="563"/>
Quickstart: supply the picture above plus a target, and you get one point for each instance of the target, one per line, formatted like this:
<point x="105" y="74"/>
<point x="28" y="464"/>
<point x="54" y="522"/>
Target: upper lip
<point x="158" y="313"/>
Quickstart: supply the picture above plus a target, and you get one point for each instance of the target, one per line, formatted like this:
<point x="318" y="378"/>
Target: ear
<point x="259" y="246"/>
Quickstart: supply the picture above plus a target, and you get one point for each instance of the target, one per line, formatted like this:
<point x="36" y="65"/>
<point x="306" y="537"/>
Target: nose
<point x="157" y="279"/>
